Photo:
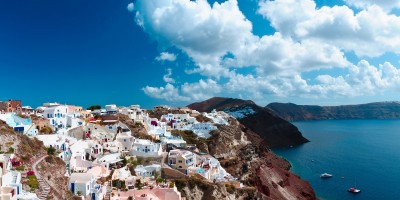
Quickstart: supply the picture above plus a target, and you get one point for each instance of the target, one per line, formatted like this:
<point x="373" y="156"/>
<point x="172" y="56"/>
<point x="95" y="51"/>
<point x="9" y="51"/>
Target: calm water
<point x="364" y="152"/>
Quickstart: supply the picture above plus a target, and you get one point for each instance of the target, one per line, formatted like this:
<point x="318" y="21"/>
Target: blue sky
<point x="91" y="52"/>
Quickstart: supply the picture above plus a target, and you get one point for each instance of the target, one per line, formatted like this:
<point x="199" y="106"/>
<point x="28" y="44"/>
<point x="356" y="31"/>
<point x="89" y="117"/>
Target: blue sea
<point x="365" y="152"/>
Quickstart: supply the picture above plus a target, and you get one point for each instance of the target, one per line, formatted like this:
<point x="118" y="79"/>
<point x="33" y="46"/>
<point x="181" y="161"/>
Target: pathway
<point x="45" y="189"/>
<point x="44" y="185"/>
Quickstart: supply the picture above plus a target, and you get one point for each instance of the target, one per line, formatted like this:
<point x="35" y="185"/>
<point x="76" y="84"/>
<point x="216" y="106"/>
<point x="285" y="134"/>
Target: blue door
<point x="73" y="188"/>
<point x="93" y="196"/>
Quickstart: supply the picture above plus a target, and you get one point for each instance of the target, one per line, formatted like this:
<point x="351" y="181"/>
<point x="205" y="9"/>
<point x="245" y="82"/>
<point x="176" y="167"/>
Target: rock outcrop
<point x="245" y="155"/>
<point x="276" y="131"/>
<point x="293" y="112"/>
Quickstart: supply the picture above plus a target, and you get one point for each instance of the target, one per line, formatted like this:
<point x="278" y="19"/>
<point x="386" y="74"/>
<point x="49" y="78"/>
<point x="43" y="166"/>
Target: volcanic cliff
<point x="379" y="110"/>
<point x="276" y="131"/>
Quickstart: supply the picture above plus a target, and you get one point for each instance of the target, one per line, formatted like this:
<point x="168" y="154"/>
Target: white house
<point x="172" y="141"/>
<point x="218" y="117"/>
<point x="125" y="142"/>
<point x="108" y="160"/>
<point x="210" y="168"/>
<point x="124" y="174"/>
<point x="148" y="171"/>
<point x="19" y="124"/>
<point x="85" y="184"/>
<point x="111" y="109"/>
<point x="12" y="179"/>
<point x="146" y="148"/>
<point x="57" y="115"/>
<point x="202" y="129"/>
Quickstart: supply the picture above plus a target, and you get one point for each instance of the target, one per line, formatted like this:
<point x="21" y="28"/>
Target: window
<point x="180" y="167"/>
<point x="180" y="161"/>
<point x="124" y="140"/>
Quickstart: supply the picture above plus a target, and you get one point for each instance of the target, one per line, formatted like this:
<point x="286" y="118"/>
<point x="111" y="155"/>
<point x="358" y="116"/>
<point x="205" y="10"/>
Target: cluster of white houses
<point x="95" y="144"/>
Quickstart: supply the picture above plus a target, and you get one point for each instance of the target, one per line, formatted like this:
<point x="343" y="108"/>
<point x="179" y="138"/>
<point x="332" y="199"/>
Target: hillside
<point x="379" y="110"/>
<point x="276" y="131"/>
<point x="245" y="155"/>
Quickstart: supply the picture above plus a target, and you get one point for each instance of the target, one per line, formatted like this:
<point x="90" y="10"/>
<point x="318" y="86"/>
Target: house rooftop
<point x="80" y="177"/>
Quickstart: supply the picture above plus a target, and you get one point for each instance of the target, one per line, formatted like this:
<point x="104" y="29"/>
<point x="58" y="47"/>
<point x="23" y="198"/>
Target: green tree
<point x="94" y="107"/>
<point x="159" y="180"/>
<point x="138" y="184"/>
<point x="51" y="150"/>
<point x="10" y="150"/>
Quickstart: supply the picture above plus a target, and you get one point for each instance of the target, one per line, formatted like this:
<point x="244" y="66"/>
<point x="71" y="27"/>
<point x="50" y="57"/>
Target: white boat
<point x="354" y="190"/>
<point x="325" y="175"/>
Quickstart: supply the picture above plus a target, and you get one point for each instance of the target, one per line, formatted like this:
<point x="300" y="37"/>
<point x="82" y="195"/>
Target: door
<point x="73" y="188"/>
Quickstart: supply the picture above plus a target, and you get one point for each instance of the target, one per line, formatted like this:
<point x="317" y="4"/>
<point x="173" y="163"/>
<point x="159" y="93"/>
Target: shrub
<point x="138" y="184"/>
<point x="10" y="150"/>
<point x="30" y="173"/>
<point x="51" y="151"/>
<point x="33" y="182"/>
<point x="159" y="180"/>
<point x="94" y="107"/>
<point x="230" y="188"/>
<point x="20" y="168"/>
<point x="46" y="130"/>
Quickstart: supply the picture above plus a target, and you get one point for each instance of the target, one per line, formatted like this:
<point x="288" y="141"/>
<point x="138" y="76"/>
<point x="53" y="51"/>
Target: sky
<point x="176" y="52"/>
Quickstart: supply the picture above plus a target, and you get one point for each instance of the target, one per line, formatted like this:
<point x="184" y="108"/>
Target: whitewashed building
<point x="85" y="185"/>
<point x="146" y="148"/>
<point x="148" y="171"/>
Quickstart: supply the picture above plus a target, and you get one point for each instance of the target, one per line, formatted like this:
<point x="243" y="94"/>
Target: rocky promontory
<point x="276" y="132"/>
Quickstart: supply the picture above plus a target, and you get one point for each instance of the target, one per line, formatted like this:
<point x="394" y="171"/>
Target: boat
<point x="325" y="175"/>
<point x="354" y="190"/>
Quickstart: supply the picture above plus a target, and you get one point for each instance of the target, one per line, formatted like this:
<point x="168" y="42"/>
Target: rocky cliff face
<point x="276" y="131"/>
<point x="293" y="112"/>
<point x="245" y="155"/>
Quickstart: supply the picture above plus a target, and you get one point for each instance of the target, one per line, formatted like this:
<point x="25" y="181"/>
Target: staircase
<point x="109" y="190"/>
<point x="45" y="189"/>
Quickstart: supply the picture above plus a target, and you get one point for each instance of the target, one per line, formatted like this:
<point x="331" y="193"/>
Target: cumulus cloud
<point x="200" y="90"/>
<point x="130" y="7"/>
<point x="277" y="55"/>
<point x="204" y="32"/>
<point x="169" y="93"/>
<point x="371" y="32"/>
<point x="386" y="4"/>
<point x="165" y="56"/>
<point x="307" y="39"/>
<point x="167" y="77"/>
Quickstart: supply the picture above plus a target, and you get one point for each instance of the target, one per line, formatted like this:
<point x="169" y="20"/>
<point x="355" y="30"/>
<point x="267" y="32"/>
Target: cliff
<point x="245" y="155"/>
<point x="379" y="110"/>
<point x="276" y="131"/>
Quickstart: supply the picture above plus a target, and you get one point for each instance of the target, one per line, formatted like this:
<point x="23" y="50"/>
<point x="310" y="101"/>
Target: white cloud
<point x="308" y="39"/>
<point x="386" y="4"/>
<point x="169" y="93"/>
<point x="165" y="56"/>
<point x="371" y="32"/>
<point x="167" y="77"/>
<point x="187" y="92"/>
<point x="201" y="90"/>
<point x="204" y="32"/>
<point x="130" y="7"/>
<point x="277" y="55"/>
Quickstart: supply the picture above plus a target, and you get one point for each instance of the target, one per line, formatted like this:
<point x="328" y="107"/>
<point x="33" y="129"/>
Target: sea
<point x="361" y="153"/>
